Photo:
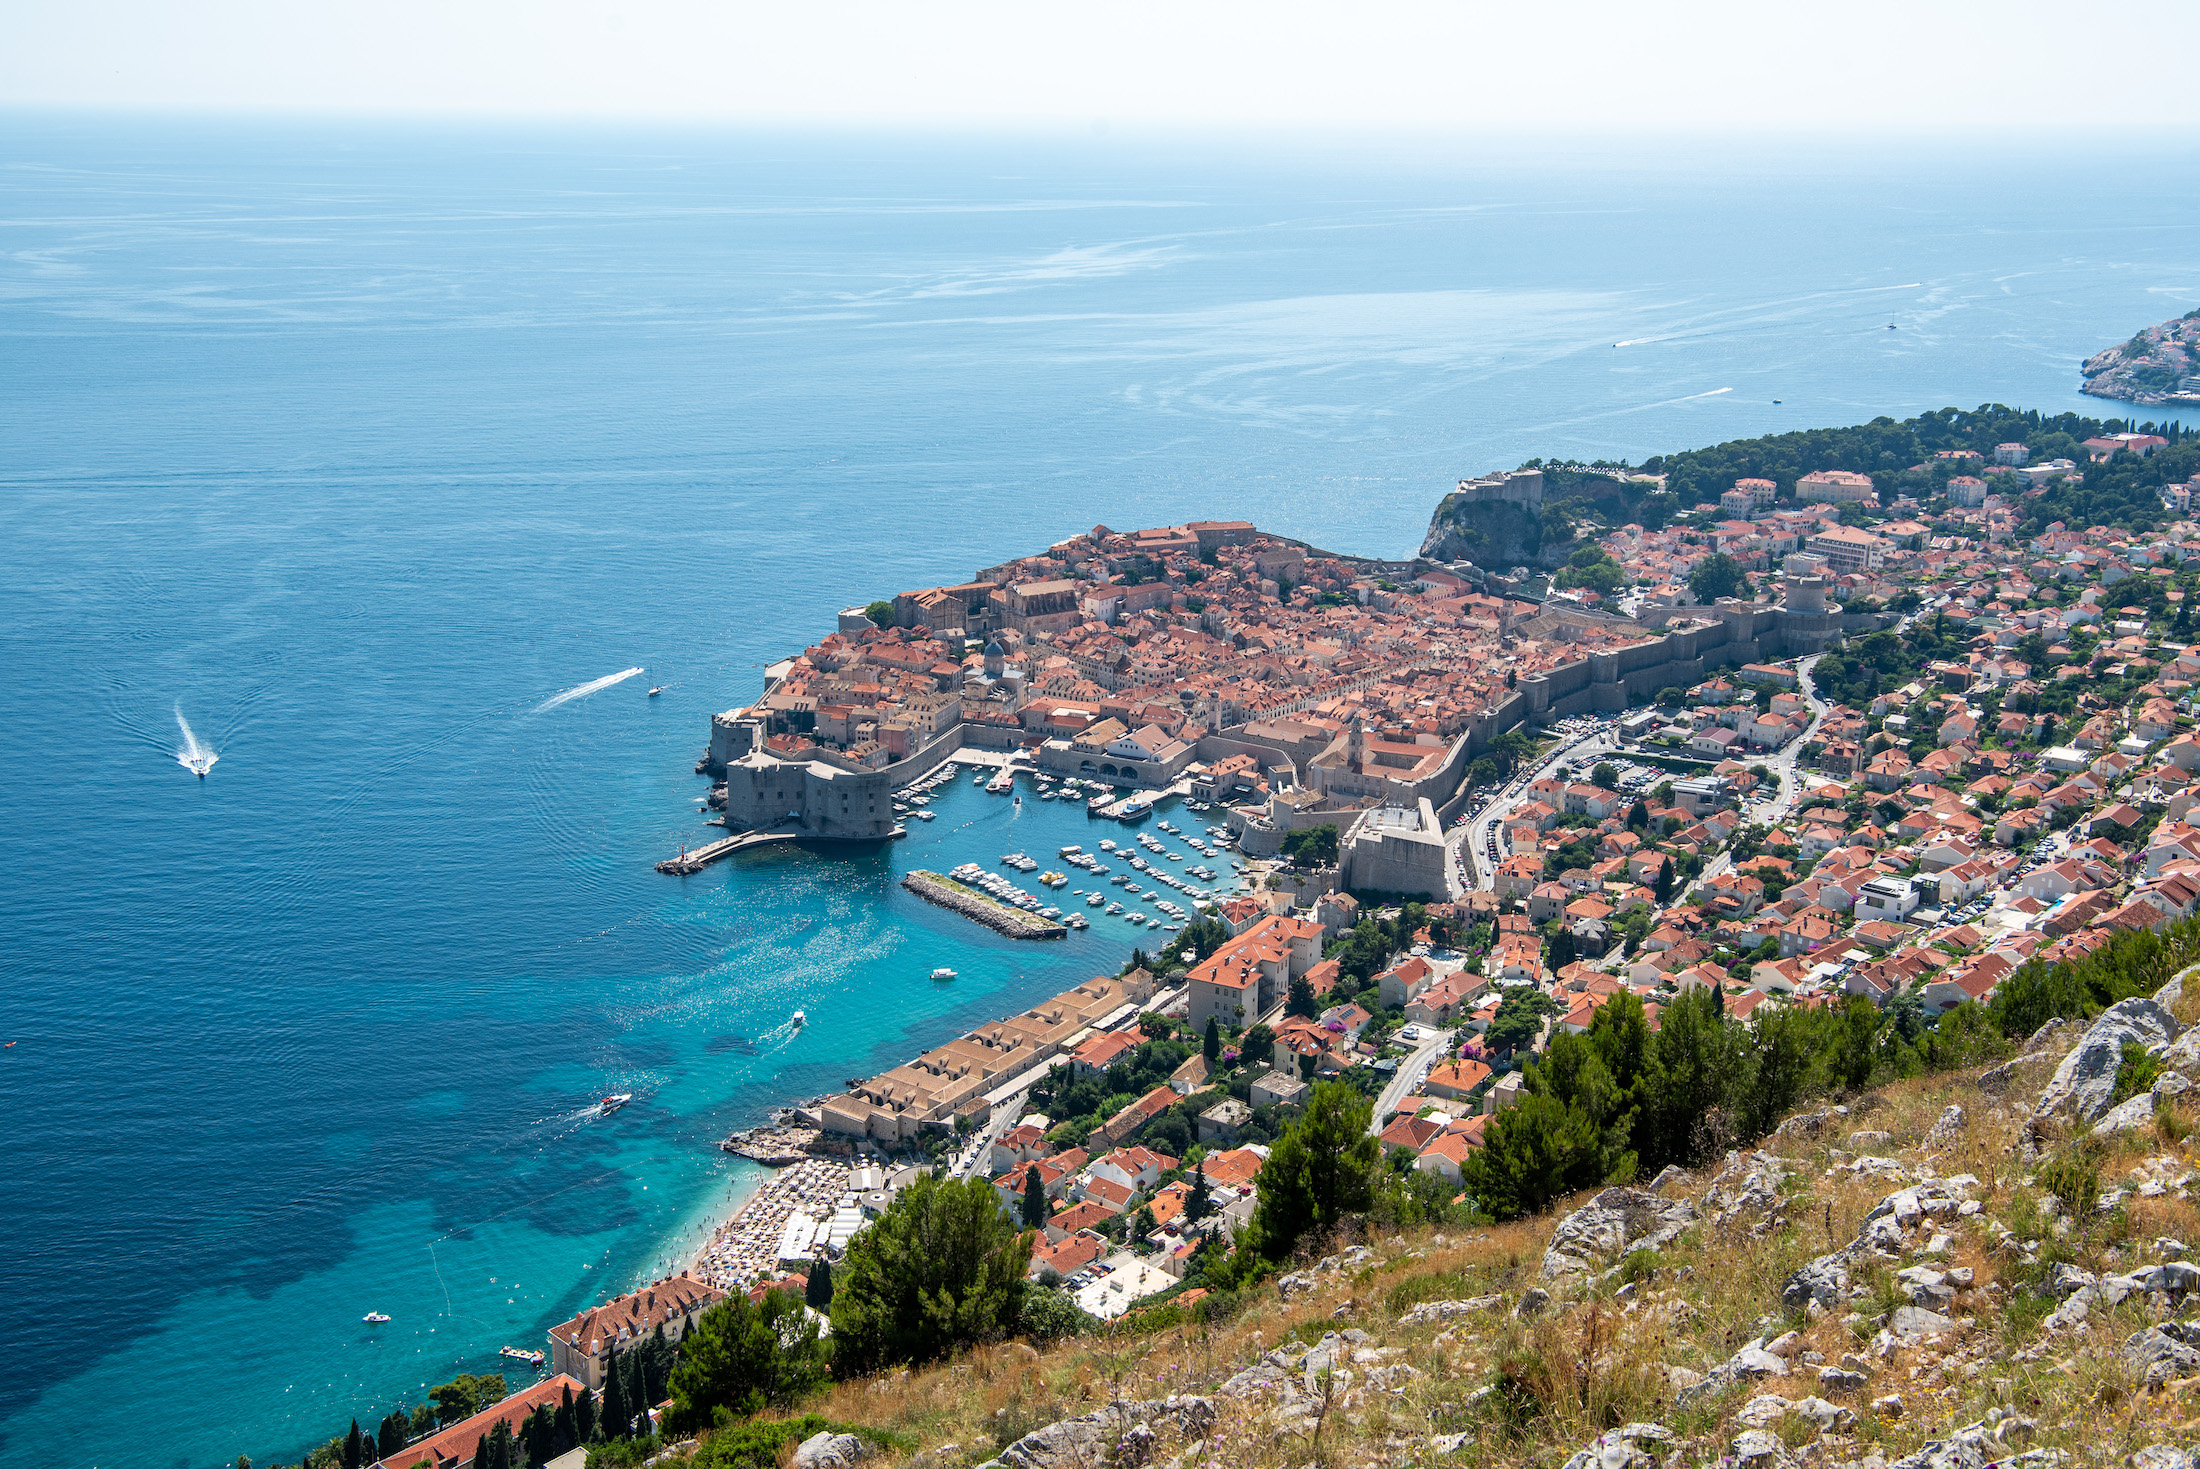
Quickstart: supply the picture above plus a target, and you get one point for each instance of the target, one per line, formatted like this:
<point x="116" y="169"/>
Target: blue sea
<point x="352" y="446"/>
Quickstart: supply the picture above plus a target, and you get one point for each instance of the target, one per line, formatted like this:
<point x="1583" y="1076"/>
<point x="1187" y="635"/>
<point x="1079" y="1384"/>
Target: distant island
<point x="2158" y="365"/>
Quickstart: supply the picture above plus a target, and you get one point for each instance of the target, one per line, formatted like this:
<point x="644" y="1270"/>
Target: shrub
<point x="2076" y="1180"/>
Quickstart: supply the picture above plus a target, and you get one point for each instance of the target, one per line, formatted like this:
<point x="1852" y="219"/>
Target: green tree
<point x="1259" y="1043"/>
<point x="1603" y="774"/>
<point x="1687" y="1084"/>
<point x="565" y="1428"/>
<point x="743" y="1357"/>
<point x="1049" y="1315"/>
<point x="1300" y="998"/>
<point x="818" y="1294"/>
<point x="465" y="1395"/>
<point x="1324" y="1167"/>
<point x="1558" y="951"/>
<point x="391" y="1436"/>
<point x="1210" y="1045"/>
<point x="1036" y="1212"/>
<point x="1665" y="882"/>
<point x="940" y="1269"/>
<point x="1199" y="1200"/>
<point x="587" y="1421"/>
<point x="354" y="1447"/>
<point x="880" y="613"/>
<point x="616" y="1418"/>
<point x="1535" y="1151"/>
<point x="1518" y="1021"/>
<point x="1717" y="575"/>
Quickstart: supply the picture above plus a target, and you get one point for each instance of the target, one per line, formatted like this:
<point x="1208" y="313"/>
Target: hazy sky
<point x="1855" y="65"/>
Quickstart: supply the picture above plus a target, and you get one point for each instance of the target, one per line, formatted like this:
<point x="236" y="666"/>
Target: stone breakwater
<point x="747" y="1245"/>
<point x="975" y="905"/>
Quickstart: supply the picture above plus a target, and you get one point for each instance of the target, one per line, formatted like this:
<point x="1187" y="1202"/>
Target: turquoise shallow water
<point x="357" y="446"/>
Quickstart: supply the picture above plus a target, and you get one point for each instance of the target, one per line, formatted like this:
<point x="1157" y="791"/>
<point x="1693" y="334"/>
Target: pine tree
<point x="1036" y="1212"/>
<point x="1300" y="1000"/>
<point x="1211" y="1045"/>
<point x="353" y="1447"/>
<point x="819" y="1295"/>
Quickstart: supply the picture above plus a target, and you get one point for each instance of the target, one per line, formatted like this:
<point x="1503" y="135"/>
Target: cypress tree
<point x="637" y="1389"/>
<point x="586" y="1429"/>
<point x="819" y="1295"/>
<point x="1211" y="1045"/>
<point x="1718" y="999"/>
<point x="353" y="1447"/>
<point x="564" y="1434"/>
<point x="391" y="1438"/>
<point x="617" y="1415"/>
<point x="1035" y="1211"/>
<point x="1665" y="882"/>
<point x="1199" y="1203"/>
<point x="481" y="1453"/>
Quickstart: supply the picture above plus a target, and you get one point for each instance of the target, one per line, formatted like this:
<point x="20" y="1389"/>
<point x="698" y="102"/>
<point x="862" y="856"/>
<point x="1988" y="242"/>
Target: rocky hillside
<point x="2159" y="365"/>
<point x="1962" y="1270"/>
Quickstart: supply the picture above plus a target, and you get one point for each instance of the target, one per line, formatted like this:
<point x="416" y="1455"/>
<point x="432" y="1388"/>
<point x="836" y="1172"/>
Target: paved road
<point x="1410" y="1071"/>
<point x="1783" y="764"/>
<point x="1589" y="748"/>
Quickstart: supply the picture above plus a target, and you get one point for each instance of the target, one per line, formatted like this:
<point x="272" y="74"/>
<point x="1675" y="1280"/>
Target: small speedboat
<point x="375" y="1318"/>
<point x="943" y="973"/>
<point x="799" y="1020"/>
<point x="653" y="693"/>
<point x="613" y="1103"/>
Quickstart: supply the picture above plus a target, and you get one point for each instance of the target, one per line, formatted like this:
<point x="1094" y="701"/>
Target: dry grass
<point x="1600" y="1357"/>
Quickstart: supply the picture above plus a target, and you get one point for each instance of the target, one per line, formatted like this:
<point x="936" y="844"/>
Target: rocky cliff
<point x="2159" y="365"/>
<point x="1498" y="522"/>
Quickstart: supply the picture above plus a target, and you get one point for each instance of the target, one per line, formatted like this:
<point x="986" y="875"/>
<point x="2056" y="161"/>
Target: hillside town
<point x="1824" y="746"/>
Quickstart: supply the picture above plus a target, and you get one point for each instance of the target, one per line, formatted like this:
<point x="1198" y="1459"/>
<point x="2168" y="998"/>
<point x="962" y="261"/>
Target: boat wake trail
<point x="193" y="756"/>
<point x="582" y="691"/>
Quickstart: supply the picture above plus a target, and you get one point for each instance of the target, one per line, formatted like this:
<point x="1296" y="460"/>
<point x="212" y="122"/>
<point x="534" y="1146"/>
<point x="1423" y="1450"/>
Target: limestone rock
<point x="1865" y="1142"/>
<point x="1979" y="1444"/>
<point x="1126" y="1432"/>
<point x="829" y="1451"/>
<point x="2162" y="1455"/>
<point x="2081" y="1085"/>
<point x="1610" y="1225"/>
<point x="2171" y="1349"/>
<point x="1746" y="1188"/>
<point x="1943" y="1134"/>
<point x="1532" y="1302"/>
<point x="1635" y="1446"/>
<point x="1668" y="1176"/>
<point x="1824" y="1280"/>
<point x="2133" y="1114"/>
<point x="1914" y="1323"/>
<point x="1760" y="1448"/>
<point x="1430" y="1311"/>
<point x="1835" y="1379"/>
<point x="1807" y="1125"/>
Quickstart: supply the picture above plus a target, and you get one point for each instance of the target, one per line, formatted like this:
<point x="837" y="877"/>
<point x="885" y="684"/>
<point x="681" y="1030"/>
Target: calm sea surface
<point x="355" y="447"/>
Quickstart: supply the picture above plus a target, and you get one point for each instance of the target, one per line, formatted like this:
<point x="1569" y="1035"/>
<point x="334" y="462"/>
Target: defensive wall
<point x="1610" y="681"/>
